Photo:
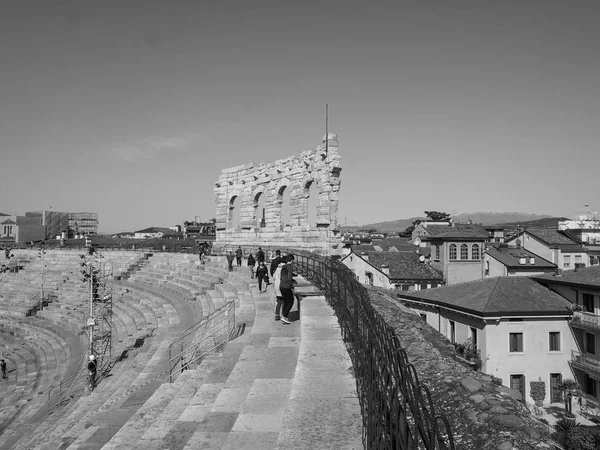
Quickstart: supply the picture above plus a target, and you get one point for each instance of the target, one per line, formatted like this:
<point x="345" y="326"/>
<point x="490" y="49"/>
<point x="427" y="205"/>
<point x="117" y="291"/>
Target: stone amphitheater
<point x="267" y="388"/>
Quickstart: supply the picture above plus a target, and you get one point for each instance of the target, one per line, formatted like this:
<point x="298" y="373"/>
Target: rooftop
<point x="586" y="276"/>
<point x="551" y="237"/>
<point x="404" y="266"/>
<point x="496" y="296"/>
<point x="510" y="256"/>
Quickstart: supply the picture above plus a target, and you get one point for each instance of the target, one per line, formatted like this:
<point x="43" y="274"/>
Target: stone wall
<point x="246" y="186"/>
<point x="482" y="414"/>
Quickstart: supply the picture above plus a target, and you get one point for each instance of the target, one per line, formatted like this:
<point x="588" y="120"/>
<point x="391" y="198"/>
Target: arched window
<point x="464" y="251"/>
<point x="284" y="199"/>
<point x="311" y="203"/>
<point x="475" y="252"/>
<point x="233" y="220"/>
<point x="259" y="210"/>
<point x="452" y="251"/>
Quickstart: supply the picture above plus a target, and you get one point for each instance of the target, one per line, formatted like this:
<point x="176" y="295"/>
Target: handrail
<point x="397" y="410"/>
<point x="67" y="387"/>
<point x="211" y="333"/>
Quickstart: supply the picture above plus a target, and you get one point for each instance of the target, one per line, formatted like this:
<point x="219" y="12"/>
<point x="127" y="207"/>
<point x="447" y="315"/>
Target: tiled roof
<point x="496" y="296"/>
<point x="586" y="276"/>
<point x="363" y="248"/>
<point x="401" y="244"/>
<point x="404" y="266"/>
<point x="510" y="257"/>
<point x="552" y="237"/>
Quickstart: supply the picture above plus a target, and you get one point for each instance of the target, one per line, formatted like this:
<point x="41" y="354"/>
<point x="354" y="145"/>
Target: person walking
<point x="277" y="286"/>
<point x="275" y="262"/>
<point x="92" y="370"/>
<point x="3" y="368"/>
<point x="251" y="264"/>
<point x="286" y="284"/>
<point x="238" y="256"/>
<point x="260" y="255"/>
<point x="230" y="258"/>
<point x="263" y="275"/>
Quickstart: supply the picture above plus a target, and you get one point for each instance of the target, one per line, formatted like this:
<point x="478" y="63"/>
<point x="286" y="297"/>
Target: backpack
<point x="285" y="278"/>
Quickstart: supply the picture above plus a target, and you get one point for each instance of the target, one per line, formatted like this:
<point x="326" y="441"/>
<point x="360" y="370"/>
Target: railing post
<point x="170" y="367"/>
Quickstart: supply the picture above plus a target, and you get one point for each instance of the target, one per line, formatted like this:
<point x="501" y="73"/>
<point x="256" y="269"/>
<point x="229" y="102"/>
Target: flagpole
<point x="326" y="130"/>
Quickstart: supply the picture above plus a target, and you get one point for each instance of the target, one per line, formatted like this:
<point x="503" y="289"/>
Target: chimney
<point x="385" y="269"/>
<point x="503" y="248"/>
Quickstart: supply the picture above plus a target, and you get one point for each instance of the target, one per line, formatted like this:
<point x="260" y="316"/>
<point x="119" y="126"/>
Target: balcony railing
<point x="586" y="363"/>
<point x="586" y="320"/>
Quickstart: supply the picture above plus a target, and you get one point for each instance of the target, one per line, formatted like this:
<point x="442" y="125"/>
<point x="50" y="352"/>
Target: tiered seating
<point x="260" y="392"/>
<point x="38" y="357"/>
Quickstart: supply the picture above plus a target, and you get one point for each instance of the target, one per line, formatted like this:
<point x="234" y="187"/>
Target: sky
<point x="131" y="108"/>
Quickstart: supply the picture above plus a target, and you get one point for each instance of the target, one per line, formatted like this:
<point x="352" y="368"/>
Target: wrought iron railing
<point x="586" y="363"/>
<point x="133" y="265"/>
<point x="68" y="388"/>
<point x="397" y="410"/>
<point x="212" y="333"/>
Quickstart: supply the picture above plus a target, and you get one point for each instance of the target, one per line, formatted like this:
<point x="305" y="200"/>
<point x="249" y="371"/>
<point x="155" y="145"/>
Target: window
<point x="423" y="316"/>
<point x="452" y="251"/>
<point x="464" y="251"/>
<point x="474" y="336"/>
<point x="578" y="259"/>
<point x="554" y="344"/>
<point x="487" y="267"/>
<point x="452" y="331"/>
<point x="405" y="287"/>
<point x="590" y="343"/>
<point x="515" y="342"/>
<point x="437" y="252"/>
<point x="475" y="252"/>
<point x="588" y="303"/>
<point x="591" y="386"/>
<point x="566" y="261"/>
<point x="423" y="286"/>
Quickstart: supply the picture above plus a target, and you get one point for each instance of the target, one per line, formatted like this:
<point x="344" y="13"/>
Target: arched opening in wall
<point x="284" y="200"/>
<point x="233" y="220"/>
<point x="311" y="203"/>
<point x="259" y="210"/>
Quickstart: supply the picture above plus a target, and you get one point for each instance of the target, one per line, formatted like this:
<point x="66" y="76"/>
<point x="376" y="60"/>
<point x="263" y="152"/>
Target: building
<point x="19" y="229"/>
<point x="519" y="328"/>
<point x="155" y="232"/>
<point x="502" y="260"/>
<point x="585" y="229"/>
<point x="66" y="224"/>
<point x="198" y="229"/>
<point x="581" y="288"/>
<point x="555" y="246"/>
<point x="406" y="271"/>
<point x="456" y="251"/>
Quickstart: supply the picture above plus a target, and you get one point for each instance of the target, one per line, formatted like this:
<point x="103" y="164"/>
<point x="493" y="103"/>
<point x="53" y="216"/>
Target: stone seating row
<point x="39" y="358"/>
<point x="129" y="379"/>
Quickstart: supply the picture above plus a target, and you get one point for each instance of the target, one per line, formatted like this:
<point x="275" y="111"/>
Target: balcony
<point x="586" y="320"/>
<point x="585" y="363"/>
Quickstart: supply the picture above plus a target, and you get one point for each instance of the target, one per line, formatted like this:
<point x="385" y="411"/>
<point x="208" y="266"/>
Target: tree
<point x="438" y="216"/>
<point x="409" y="230"/>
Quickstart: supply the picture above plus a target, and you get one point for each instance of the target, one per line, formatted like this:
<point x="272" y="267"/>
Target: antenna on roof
<point x="326" y="130"/>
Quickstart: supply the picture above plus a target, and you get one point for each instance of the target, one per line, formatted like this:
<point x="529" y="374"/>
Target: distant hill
<point x="491" y="218"/>
<point x="549" y="222"/>
<point x="507" y="219"/>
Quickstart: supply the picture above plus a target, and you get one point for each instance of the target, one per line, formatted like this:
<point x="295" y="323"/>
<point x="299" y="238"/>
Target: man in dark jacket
<point x="230" y="258"/>
<point x="260" y="255"/>
<point x="262" y="274"/>
<point x="92" y="371"/>
<point x="251" y="264"/>
<point x="238" y="256"/>
<point x="286" y="284"/>
<point x="275" y="262"/>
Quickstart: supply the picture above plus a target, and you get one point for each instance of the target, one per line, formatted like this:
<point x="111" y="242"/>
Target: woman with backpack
<point x="262" y="273"/>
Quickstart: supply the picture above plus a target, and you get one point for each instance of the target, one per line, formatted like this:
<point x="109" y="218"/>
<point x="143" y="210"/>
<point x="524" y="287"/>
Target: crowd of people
<point x="280" y="271"/>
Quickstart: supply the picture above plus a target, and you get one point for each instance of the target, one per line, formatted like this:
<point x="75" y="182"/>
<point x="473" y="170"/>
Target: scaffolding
<point x="99" y="323"/>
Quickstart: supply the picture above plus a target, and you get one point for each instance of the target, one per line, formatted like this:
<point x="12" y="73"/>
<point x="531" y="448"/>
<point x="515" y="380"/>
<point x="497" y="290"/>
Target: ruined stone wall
<point x="243" y="186"/>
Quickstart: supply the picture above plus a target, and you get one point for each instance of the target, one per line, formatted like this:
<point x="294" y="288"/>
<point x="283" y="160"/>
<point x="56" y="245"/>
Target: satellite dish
<point x="422" y="258"/>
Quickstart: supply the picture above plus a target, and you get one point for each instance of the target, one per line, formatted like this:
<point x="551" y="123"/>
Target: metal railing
<point x="397" y="410"/>
<point x="584" y="362"/>
<point x="134" y="264"/>
<point x="68" y="388"/>
<point x="212" y="333"/>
